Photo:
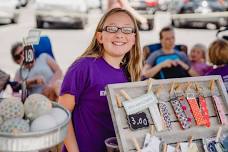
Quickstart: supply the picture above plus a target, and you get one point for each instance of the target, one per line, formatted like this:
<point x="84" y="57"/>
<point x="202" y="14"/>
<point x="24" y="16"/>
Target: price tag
<point x="140" y="103"/>
<point x="185" y="147"/>
<point x="33" y="37"/>
<point x="143" y="102"/>
<point x="28" y="54"/>
<point x="138" y="120"/>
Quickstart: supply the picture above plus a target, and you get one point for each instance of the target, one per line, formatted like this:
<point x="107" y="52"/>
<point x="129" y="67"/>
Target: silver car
<point x="72" y="12"/>
<point x="8" y="11"/>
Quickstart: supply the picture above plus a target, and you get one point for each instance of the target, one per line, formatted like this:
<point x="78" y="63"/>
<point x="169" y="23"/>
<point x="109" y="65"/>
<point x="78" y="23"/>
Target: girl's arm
<point x="150" y="72"/>
<point x="68" y="101"/>
<point x="188" y="68"/>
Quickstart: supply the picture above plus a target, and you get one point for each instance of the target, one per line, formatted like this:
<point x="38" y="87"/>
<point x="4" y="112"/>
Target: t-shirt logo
<point x="102" y="93"/>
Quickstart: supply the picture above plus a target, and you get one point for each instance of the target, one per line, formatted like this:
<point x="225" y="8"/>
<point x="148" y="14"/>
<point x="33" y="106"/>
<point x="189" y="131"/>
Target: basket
<point x="4" y="78"/>
<point x="34" y="141"/>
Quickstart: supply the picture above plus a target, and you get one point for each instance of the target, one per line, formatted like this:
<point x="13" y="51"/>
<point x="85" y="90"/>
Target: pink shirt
<point x="201" y="68"/>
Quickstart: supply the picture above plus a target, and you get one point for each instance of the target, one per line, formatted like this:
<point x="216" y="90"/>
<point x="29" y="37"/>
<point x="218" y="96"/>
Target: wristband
<point x="195" y="109"/>
<point x="156" y="116"/>
<point x="165" y="114"/>
<point x="203" y="106"/>
<point x="186" y="108"/>
<point x="220" y="110"/>
<point x="181" y="116"/>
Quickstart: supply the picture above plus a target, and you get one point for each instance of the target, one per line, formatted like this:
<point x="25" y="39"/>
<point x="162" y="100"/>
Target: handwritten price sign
<point x="138" y="120"/>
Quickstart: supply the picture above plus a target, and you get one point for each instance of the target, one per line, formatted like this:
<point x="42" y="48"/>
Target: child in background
<point x="218" y="55"/>
<point x="114" y="56"/>
<point x="198" y="59"/>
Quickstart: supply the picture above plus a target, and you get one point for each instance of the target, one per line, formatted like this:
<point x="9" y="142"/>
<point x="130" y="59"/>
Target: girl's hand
<point x="37" y="80"/>
<point x="40" y="80"/>
<point x="50" y="93"/>
<point x="183" y="65"/>
<point x="168" y="64"/>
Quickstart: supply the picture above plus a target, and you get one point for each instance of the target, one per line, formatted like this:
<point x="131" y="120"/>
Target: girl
<point x="218" y="55"/>
<point x="198" y="59"/>
<point x="113" y="56"/>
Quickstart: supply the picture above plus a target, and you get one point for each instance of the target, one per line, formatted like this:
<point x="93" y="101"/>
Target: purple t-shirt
<point x="223" y="71"/>
<point x="86" y="80"/>
<point x="201" y="68"/>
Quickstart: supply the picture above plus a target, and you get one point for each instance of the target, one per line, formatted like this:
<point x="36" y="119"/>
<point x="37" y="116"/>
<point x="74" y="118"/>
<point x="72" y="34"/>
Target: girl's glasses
<point x="114" y="29"/>
<point x="17" y="56"/>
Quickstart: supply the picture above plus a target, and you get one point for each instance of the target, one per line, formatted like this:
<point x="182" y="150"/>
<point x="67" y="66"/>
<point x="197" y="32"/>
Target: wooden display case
<point x="125" y="134"/>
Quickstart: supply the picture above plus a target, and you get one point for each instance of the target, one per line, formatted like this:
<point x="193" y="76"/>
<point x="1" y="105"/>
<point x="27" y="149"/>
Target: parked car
<point x="200" y="13"/>
<point x="8" y="12"/>
<point x="144" y="6"/>
<point x="70" y="12"/>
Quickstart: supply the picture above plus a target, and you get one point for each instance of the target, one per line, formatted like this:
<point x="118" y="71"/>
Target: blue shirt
<point x="159" y="57"/>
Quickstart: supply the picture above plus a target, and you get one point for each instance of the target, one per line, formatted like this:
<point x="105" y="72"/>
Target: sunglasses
<point x="17" y="56"/>
<point x="114" y="29"/>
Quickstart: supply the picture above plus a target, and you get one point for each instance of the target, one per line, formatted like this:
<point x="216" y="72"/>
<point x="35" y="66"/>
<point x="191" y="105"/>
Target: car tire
<point x="39" y="23"/>
<point x="150" y="24"/>
<point x="14" y="20"/>
<point x="80" y="25"/>
<point x="18" y="7"/>
<point x="176" y="23"/>
<point x="23" y="5"/>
